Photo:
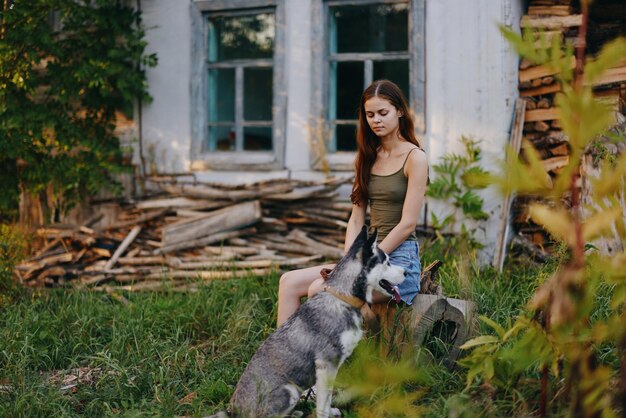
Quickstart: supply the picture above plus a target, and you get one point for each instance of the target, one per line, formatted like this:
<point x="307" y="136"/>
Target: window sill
<point x="341" y="161"/>
<point x="235" y="161"/>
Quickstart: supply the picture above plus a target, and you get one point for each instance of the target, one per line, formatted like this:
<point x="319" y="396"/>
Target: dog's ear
<point x="370" y="244"/>
<point x="361" y="239"/>
<point x="358" y="244"/>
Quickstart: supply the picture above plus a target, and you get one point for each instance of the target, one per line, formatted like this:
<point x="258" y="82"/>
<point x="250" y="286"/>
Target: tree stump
<point x="441" y="325"/>
<point x="433" y="321"/>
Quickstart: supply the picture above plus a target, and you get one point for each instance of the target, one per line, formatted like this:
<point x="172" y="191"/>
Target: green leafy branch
<point x="61" y="93"/>
<point x="455" y="184"/>
<point x="560" y="339"/>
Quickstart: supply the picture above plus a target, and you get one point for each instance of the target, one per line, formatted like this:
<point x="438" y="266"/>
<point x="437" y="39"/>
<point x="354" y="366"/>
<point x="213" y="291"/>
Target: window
<point x="237" y="89"/>
<point x="240" y="86"/>
<point x="366" y="41"/>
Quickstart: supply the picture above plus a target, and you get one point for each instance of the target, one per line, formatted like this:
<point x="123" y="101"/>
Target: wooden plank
<point x="212" y="239"/>
<point x="186" y="213"/>
<point x="555" y="163"/>
<point x="50" y="260"/>
<point x="322" y="219"/>
<point x="505" y="211"/>
<point x="142" y="261"/>
<point x="228" y="218"/>
<point x="560" y="150"/>
<point x="549" y="10"/>
<point x="553" y="22"/>
<point x="231" y="250"/>
<point x="537" y="115"/>
<point x="303" y="192"/>
<point x="171" y="202"/>
<point x="541" y="126"/>
<point x="540" y="71"/>
<point x="302" y="249"/>
<point x="206" y="192"/>
<point x="303" y="238"/>
<point x="248" y="264"/>
<point x="190" y="274"/>
<point x="612" y="75"/>
<point x="141" y="219"/>
<point x="123" y="246"/>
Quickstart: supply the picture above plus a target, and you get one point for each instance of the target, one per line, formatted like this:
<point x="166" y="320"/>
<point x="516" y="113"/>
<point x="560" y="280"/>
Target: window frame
<point x="239" y="159"/>
<point x="344" y="160"/>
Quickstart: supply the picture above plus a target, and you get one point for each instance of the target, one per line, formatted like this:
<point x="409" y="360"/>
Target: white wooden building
<point x="247" y="90"/>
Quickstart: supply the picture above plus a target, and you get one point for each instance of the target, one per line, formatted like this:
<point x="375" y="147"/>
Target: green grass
<point x="164" y="346"/>
<point x="149" y="355"/>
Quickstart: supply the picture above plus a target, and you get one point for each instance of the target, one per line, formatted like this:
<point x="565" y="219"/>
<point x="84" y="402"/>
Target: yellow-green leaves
<point x="611" y="55"/>
<point x="558" y="222"/>
<point x="555" y="220"/>
<point x="582" y="117"/>
<point x="481" y="340"/>
<point x="377" y="385"/>
<point x="485" y="349"/>
<point x="563" y="330"/>
<point x="523" y="178"/>
<point x="535" y="46"/>
<point x="611" y="179"/>
<point x="600" y="223"/>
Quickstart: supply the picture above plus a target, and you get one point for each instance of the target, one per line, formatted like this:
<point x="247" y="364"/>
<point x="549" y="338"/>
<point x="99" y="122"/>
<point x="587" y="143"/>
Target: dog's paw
<point x="335" y="412"/>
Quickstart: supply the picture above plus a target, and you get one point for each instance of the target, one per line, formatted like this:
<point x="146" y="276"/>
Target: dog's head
<point x="366" y="268"/>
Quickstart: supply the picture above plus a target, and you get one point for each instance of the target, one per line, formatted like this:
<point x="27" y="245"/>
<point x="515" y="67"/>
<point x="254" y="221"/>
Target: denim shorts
<point x="407" y="256"/>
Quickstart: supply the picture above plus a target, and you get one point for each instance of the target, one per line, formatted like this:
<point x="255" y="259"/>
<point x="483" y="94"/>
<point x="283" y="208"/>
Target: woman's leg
<point x="292" y="286"/>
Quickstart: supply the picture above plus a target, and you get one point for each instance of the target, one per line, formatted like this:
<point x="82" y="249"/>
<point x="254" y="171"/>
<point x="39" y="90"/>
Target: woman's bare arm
<point x="355" y="223"/>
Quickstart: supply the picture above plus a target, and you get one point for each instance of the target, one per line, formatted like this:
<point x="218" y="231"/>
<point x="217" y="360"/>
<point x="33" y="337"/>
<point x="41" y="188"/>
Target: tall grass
<point x="152" y="354"/>
<point x="149" y="354"/>
<point x="171" y="353"/>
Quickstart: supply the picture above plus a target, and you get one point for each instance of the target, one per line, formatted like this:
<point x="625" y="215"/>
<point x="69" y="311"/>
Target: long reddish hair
<point x="367" y="141"/>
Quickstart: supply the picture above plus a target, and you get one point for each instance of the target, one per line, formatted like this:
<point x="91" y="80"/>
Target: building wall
<point x="471" y="85"/>
<point x="166" y="122"/>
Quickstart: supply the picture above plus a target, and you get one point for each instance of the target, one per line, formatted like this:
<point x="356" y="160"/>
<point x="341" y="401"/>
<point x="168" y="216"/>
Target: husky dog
<point x="311" y="345"/>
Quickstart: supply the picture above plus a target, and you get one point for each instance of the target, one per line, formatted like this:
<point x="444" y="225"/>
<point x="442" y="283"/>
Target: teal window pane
<point x="241" y="37"/>
<point x="346" y="89"/>
<point x="222" y="95"/>
<point x="345" y="137"/>
<point x="221" y="138"/>
<point x="396" y="71"/>
<point x="257" y="100"/>
<point x="369" y="28"/>
<point x="257" y="138"/>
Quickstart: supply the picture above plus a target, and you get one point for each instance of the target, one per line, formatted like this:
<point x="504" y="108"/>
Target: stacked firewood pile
<point x="186" y="232"/>
<point x="538" y="86"/>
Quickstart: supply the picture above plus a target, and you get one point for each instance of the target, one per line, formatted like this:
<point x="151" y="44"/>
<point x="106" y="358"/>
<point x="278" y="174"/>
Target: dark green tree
<point x="67" y="68"/>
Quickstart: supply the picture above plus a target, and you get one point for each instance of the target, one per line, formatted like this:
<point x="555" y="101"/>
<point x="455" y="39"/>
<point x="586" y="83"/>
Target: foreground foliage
<point x="578" y="314"/>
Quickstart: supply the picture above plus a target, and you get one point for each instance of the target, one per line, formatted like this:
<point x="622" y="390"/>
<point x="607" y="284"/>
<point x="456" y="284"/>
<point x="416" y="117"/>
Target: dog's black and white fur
<point x="312" y="344"/>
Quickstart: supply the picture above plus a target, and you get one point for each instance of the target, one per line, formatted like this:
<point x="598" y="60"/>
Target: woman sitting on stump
<point x="391" y="175"/>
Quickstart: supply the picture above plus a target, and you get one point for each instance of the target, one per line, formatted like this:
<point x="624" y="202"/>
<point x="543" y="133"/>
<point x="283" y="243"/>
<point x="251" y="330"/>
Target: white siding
<point x="166" y="120"/>
<point x="471" y="84"/>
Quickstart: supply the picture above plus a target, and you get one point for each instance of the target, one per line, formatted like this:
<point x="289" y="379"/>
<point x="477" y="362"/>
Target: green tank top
<point x="386" y="198"/>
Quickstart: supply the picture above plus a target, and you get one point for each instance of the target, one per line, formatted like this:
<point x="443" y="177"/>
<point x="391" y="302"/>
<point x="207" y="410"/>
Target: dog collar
<point x="349" y="299"/>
